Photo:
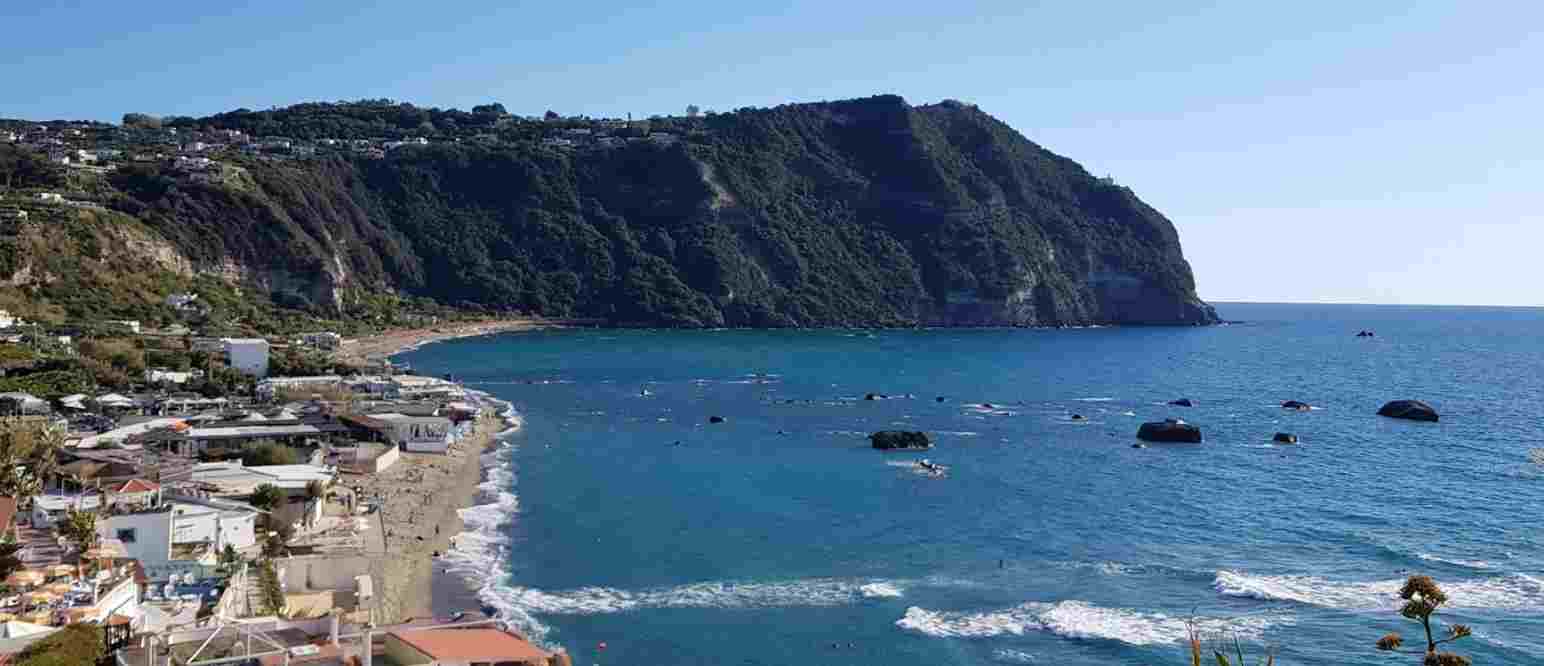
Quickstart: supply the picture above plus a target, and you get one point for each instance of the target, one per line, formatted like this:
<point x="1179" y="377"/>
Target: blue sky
<point x="1371" y="152"/>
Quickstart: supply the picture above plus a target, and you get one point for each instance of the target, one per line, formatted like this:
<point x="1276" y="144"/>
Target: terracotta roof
<point x="471" y="645"/>
<point x="137" y="486"/>
<point x="118" y="620"/>
<point x="7" y="512"/>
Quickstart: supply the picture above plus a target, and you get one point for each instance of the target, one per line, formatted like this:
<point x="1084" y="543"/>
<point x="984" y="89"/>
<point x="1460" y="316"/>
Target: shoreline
<point x="423" y="495"/>
<point x="389" y="343"/>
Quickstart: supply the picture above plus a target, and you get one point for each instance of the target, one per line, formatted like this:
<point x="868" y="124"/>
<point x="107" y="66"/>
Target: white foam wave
<point x="1094" y="399"/>
<point x="728" y="595"/>
<point x="1472" y="564"/>
<point x="1077" y="620"/>
<point x="1013" y="657"/>
<point x="881" y="591"/>
<point x="1505" y="592"/>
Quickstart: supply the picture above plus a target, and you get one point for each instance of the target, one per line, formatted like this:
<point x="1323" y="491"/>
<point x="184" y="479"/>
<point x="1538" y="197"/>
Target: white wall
<point x="152" y="544"/>
<point x="248" y="356"/>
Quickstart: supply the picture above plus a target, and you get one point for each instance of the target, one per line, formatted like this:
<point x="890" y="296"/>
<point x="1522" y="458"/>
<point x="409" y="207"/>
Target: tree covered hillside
<point x="862" y="212"/>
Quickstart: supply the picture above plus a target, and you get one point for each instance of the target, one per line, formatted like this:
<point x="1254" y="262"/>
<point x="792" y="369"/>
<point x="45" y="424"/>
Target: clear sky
<point x="1374" y="152"/>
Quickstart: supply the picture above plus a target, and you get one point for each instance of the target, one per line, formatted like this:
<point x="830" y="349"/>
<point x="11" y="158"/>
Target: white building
<point x="185" y="529"/>
<point x="234" y="480"/>
<point x="270" y="387"/>
<point x="420" y="434"/>
<point x="248" y="355"/>
<point x="159" y="375"/>
<point x="50" y="509"/>
<point x="322" y="340"/>
<point x="6" y="320"/>
<point x="182" y="301"/>
<point x="131" y="324"/>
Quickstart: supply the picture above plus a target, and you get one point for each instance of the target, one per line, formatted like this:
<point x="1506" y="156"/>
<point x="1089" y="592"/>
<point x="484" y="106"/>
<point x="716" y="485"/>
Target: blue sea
<point x="623" y="526"/>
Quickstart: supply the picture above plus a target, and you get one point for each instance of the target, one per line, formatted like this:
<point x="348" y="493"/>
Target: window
<point x="126" y="536"/>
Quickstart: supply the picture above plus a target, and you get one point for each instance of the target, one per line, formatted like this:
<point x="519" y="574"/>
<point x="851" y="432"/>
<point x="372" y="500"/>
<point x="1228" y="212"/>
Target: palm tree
<point x="80" y="528"/>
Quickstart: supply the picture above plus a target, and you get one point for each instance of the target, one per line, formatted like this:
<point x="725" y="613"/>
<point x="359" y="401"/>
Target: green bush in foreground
<point x="74" y="645"/>
<point x="1422" y="599"/>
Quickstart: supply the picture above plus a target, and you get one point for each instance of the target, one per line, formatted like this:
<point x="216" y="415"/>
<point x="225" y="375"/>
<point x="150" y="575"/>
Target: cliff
<point x="856" y="213"/>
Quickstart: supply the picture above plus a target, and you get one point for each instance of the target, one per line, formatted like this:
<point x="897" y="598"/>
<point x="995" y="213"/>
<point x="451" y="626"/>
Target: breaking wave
<point x="790" y="594"/>
<point x="1078" y="620"/>
<point x="1514" y="591"/>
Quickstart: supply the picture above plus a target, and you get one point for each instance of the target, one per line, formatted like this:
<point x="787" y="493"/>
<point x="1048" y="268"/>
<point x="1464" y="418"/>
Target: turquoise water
<point x="778" y="537"/>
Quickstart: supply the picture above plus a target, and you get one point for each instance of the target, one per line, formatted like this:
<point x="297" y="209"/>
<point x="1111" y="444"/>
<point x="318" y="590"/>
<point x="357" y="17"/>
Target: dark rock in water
<point x="1183" y="402"/>
<point x="1079" y="417"/>
<point x="1169" y="430"/>
<point x="1366" y="334"/>
<point x="1297" y="405"/>
<point x="715" y="419"/>
<point x="871" y="396"/>
<point x="886" y="440"/>
<point x="1284" y="438"/>
<point x="1138" y="445"/>
<point x="987" y="405"/>
<point x="1414" y="410"/>
<point x="940" y="398"/>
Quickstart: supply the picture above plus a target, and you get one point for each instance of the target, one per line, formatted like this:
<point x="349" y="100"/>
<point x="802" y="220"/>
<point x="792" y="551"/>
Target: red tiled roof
<point x="470" y="645"/>
<point x="7" y="512"/>
<point x="137" y="486"/>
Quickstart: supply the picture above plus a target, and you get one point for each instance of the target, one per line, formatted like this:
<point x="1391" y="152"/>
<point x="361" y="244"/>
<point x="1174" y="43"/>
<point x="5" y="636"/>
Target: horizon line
<point x="1363" y="303"/>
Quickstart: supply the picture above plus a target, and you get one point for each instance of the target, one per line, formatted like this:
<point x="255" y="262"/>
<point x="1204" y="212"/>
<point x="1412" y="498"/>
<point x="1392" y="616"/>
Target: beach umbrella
<point x="44" y="617"/>
<point x="59" y="570"/>
<point x="57" y="588"/>
<point x="41" y="596"/>
<point x="6" y="617"/>
<point x="24" y="577"/>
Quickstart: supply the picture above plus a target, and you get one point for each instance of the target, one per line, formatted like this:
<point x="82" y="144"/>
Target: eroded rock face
<point x="887" y="440"/>
<point x="1170" y="430"/>
<point x="1412" y="410"/>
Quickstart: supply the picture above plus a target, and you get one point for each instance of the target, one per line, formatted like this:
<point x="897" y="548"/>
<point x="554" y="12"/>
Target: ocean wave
<point x="1469" y="564"/>
<point x="1515" y="591"/>
<point x="726" y="595"/>
<point x="1078" y="620"/>
<point x="1013" y="657"/>
<point x="1094" y="399"/>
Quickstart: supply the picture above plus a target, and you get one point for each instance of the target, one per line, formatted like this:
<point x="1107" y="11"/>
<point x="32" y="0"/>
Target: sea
<point x="622" y="524"/>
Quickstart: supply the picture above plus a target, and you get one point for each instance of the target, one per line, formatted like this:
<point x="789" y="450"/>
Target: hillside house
<point x="247" y="355"/>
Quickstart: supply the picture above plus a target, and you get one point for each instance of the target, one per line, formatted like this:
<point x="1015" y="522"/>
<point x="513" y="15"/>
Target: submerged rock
<point x="1079" y="417"/>
<point x="715" y="419"/>
<point x="886" y="440"/>
<point x="871" y="396"/>
<point x="1169" y="430"/>
<point x="1297" y="405"/>
<point x="1284" y="438"/>
<point x="940" y="398"/>
<point x="1413" y="410"/>
<point x="1183" y="402"/>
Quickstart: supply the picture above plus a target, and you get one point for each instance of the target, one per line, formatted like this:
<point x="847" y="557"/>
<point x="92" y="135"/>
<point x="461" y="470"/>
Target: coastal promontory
<point x="866" y="212"/>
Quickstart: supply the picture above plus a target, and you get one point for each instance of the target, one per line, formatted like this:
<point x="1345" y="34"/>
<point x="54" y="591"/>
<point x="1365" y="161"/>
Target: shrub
<point x="74" y="645"/>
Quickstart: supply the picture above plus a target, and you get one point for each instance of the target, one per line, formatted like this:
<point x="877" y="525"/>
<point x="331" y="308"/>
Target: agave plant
<point x="1220" y="648"/>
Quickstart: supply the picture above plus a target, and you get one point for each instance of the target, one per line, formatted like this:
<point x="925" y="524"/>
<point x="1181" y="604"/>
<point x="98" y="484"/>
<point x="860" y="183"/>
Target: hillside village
<point x="285" y="504"/>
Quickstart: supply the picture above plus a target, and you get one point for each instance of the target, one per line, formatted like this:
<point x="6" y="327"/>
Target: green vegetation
<point x="268" y="584"/>
<point x="861" y="212"/>
<point x="28" y="456"/>
<point x="1422" y="598"/>
<point x="269" y="453"/>
<point x="74" y="645"/>
<point x="79" y="528"/>
<point x="266" y="497"/>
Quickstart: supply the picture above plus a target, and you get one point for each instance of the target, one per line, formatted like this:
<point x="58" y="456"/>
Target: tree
<point x="551" y="115"/>
<point x="692" y="110"/>
<point x="266" y="497"/>
<point x="1422" y="599"/>
<point x="80" y="528"/>
<point x="28" y="457"/>
<point x="143" y="120"/>
<point x="229" y="561"/>
<point x="269" y="453"/>
<point x="494" y="109"/>
<point x="315" y="489"/>
<point x="10" y="559"/>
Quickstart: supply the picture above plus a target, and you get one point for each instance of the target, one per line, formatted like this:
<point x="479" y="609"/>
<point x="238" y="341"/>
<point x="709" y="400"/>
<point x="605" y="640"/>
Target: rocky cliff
<point x="855" y="213"/>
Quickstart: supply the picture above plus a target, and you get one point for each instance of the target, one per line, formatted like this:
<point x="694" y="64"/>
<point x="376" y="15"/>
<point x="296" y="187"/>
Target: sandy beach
<point x="421" y="496"/>
<point x="382" y="345"/>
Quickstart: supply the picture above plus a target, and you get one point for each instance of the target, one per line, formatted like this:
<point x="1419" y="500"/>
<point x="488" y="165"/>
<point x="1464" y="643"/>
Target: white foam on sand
<point x="1516" y="591"/>
<point x="1078" y="620"/>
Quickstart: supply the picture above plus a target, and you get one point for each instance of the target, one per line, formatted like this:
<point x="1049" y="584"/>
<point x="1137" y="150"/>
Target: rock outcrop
<point x="1284" y="438"/>
<point x="1169" y="430"/>
<point x="886" y="440"/>
<point x="1413" y="410"/>
<point x="1296" y="405"/>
